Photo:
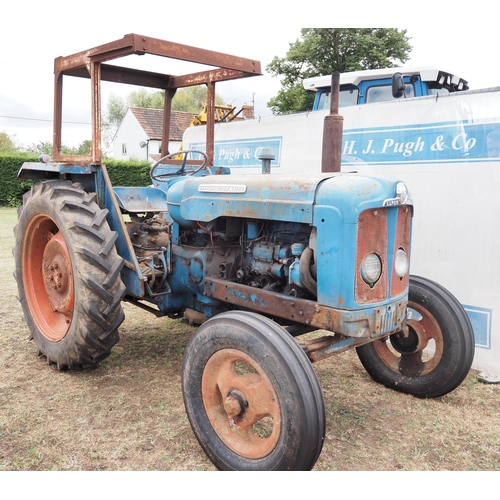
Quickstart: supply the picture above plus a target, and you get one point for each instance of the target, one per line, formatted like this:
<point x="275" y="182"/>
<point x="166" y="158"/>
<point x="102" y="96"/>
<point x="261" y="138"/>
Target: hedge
<point x="121" y="173"/>
<point x="12" y="188"/>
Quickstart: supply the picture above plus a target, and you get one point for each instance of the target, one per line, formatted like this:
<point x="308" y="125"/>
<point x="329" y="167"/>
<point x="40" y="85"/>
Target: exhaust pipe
<point x="332" y="131"/>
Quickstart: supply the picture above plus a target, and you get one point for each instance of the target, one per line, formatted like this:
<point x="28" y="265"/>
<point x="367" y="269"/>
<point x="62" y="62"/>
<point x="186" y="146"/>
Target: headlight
<point x="371" y="269"/>
<point x="401" y="196"/>
<point x="401" y="192"/>
<point x="401" y="263"/>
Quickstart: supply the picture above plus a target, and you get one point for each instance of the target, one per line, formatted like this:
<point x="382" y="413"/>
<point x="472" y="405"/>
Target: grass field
<point x="128" y="413"/>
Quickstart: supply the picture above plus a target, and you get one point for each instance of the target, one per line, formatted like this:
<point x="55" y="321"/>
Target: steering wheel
<point x="182" y="170"/>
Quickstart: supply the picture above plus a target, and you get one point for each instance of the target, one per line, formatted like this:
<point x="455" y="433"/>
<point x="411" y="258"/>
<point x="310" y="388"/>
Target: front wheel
<point x="251" y="395"/>
<point x="68" y="274"/>
<point x="435" y="356"/>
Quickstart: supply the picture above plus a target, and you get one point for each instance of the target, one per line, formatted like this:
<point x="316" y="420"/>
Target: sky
<point x="36" y="33"/>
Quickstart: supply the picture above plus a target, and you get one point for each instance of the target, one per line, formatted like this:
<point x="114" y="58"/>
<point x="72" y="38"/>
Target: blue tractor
<point x="267" y="259"/>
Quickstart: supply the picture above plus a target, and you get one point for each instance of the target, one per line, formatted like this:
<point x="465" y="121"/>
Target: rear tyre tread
<point x="97" y="312"/>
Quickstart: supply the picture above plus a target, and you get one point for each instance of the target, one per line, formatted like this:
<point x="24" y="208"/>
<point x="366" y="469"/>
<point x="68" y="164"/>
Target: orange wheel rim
<point x="48" y="277"/>
<point x="241" y="404"/>
<point x="425" y="345"/>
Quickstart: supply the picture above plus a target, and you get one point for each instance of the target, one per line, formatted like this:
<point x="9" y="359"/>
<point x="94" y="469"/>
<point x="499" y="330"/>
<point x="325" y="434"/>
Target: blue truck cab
<point x="375" y="85"/>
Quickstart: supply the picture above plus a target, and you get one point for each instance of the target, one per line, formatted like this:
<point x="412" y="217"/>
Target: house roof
<point x="151" y="120"/>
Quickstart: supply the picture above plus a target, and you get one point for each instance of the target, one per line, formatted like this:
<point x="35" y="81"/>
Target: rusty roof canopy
<point x="89" y="64"/>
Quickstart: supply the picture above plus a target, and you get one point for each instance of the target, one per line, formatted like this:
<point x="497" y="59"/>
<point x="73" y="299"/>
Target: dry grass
<point x="128" y="413"/>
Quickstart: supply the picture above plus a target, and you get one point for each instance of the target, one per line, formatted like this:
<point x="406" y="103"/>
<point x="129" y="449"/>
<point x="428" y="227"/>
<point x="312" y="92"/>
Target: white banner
<point x="446" y="149"/>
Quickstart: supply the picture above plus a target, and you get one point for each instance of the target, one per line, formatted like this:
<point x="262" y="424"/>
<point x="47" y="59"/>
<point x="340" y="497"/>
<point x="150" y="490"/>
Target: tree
<point x="117" y="108"/>
<point x="84" y="148"/>
<point x="321" y="51"/>
<point x="41" y="147"/>
<point x="189" y="99"/>
<point x="45" y="147"/>
<point x="7" y="144"/>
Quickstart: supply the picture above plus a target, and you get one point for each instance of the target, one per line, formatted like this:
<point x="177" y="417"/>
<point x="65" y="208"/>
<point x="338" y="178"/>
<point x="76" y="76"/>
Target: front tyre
<point x="68" y="274"/>
<point x="251" y="395"/>
<point x="436" y="355"/>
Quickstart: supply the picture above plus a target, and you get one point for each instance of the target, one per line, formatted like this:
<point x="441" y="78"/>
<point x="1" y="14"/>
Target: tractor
<point x="287" y="270"/>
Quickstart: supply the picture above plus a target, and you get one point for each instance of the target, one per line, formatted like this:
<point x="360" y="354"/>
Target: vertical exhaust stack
<point x="332" y="131"/>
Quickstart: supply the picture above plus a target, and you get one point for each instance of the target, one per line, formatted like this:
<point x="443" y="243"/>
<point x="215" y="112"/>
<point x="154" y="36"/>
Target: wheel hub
<point x="241" y="403"/>
<point x="48" y="277"/>
<point x="235" y="404"/>
<point x="407" y="345"/>
<point x="57" y="275"/>
<point x="420" y="351"/>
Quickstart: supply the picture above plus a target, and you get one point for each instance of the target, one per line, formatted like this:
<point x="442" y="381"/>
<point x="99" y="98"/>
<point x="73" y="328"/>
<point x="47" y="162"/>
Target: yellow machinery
<point x="222" y="114"/>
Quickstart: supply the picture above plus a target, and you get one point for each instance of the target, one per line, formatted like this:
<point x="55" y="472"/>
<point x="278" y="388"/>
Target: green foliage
<point x="321" y="51"/>
<point x="116" y="109"/>
<point x="291" y="99"/>
<point x="12" y="188"/>
<point x="45" y="147"/>
<point x="121" y="173"/>
<point x="189" y="99"/>
<point x="7" y="144"/>
<point x="41" y="147"/>
<point x="128" y="173"/>
<point x="84" y="148"/>
<point x="143" y="98"/>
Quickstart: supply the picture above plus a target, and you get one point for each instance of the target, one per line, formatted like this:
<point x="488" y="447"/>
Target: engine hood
<point x="274" y="197"/>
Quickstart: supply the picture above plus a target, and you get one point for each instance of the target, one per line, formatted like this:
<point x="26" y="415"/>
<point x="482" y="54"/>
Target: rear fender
<point x="95" y="178"/>
<point x="132" y="276"/>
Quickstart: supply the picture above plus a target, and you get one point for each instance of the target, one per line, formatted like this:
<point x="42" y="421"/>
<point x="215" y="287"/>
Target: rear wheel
<point x="68" y="274"/>
<point x="438" y="352"/>
<point x="252" y="397"/>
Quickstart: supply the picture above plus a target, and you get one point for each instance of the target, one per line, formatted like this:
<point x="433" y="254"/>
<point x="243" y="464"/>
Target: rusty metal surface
<point x="58" y="102"/>
<point x="210" y="124"/>
<point x="58" y="275"/>
<point x="372" y="238"/>
<point x="89" y="64"/>
<point x="332" y="131"/>
<point x="324" y="347"/>
<point x="95" y="75"/>
<point x="48" y="277"/>
<point x="365" y="323"/>
<point x="139" y="44"/>
<point x="403" y="233"/>
<point x="406" y="356"/>
<point x="238" y="397"/>
<point x="117" y="74"/>
<point x="167" y="113"/>
<point x="291" y="198"/>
